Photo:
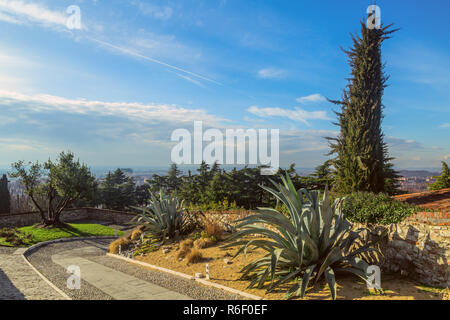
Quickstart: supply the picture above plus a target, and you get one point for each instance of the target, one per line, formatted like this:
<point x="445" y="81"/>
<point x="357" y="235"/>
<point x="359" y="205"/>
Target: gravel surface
<point x="171" y="282"/>
<point x="7" y="250"/>
<point x="41" y="259"/>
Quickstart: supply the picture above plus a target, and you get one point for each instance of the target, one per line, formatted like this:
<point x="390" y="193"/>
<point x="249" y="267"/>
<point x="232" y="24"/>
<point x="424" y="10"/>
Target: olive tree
<point x="53" y="186"/>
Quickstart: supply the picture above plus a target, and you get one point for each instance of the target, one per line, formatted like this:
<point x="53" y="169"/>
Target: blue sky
<point x="114" y="91"/>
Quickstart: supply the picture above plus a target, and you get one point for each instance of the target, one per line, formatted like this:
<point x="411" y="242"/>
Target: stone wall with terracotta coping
<point x="69" y="215"/>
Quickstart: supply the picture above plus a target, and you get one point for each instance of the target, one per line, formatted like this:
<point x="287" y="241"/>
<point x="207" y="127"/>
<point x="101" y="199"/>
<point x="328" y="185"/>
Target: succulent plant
<point x="315" y="240"/>
<point x="163" y="217"/>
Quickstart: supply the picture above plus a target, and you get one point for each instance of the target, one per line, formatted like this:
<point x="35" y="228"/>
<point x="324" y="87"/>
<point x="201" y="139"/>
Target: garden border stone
<point x="186" y="276"/>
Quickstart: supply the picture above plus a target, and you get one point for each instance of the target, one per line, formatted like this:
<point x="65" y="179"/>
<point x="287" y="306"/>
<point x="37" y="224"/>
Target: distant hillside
<point x="417" y="173"/>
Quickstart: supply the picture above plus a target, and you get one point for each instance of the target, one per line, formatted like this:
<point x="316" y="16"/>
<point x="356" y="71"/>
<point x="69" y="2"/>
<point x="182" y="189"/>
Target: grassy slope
<point x="75" y="230"/>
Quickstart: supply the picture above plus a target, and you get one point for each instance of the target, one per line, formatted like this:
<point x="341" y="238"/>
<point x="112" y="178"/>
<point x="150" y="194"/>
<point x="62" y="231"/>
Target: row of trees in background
<point x="209" y="187"/>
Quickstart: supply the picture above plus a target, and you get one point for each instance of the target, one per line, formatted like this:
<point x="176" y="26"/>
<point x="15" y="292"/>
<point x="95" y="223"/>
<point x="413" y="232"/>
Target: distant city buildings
<point x="414" y="184"/>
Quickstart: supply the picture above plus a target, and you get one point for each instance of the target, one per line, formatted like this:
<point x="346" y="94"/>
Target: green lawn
<point x="75" y="230"/>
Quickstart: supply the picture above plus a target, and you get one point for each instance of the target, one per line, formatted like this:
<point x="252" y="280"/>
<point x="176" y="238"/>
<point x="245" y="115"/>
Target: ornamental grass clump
<point x="313" y="241"/>
<point x="194" y="256"/>
<point x="121" y="243"/>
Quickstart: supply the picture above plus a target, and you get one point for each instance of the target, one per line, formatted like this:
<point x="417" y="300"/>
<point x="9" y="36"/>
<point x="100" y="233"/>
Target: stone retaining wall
<point x="419" y="247"/>
<point x="418" y="250"/>
<point x="69" y="215"/>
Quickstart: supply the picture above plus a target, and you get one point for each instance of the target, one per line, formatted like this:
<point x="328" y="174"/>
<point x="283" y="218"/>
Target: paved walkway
<point x="19" y="282"/>
<point x="102" y="277"/>
<point x="116" y="284"/>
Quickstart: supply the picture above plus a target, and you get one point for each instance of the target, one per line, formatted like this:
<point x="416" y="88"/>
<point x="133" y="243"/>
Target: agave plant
<point x="163" y="217"/>
<point x="314" y="240"/>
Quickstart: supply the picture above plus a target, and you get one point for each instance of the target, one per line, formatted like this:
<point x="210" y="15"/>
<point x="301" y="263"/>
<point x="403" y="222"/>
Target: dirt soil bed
<point x="349" y="287"/>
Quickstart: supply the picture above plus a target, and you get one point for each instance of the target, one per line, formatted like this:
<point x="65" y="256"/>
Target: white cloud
<point x="311" y="98"/>
<point x="297" y="114"/>
<point x="132" y="110"/>
<point x="271" y="73"/>
<point x="17" y="144"/>
<point x="296" y="142"/>
<point x="445" y="125"/>
<point x="17" y="11"/>
<point x="9" y="19"/>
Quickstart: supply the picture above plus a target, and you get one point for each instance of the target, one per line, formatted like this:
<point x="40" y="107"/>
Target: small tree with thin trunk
<point x="60" y="183"/>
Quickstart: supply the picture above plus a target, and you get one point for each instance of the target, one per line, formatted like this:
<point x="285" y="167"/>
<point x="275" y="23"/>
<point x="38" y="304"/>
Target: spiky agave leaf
<point x="163" y="217"/>
<point x="313" y="241"/>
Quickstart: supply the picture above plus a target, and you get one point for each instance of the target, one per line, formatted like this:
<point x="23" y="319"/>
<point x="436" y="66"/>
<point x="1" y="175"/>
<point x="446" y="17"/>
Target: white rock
<point x="199" y="275"/>
<point x="226" y="261"/>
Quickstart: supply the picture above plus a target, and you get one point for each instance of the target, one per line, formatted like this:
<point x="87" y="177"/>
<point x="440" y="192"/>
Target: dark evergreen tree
<point x="5" y="197"/>
<point x="324" y="176"/>
<point x="362" y="162"/>
<point x="173" y="179"/>
<point x="142" y="194"/>
<point x="117" y="191"/>
<point x="442" y="181"/>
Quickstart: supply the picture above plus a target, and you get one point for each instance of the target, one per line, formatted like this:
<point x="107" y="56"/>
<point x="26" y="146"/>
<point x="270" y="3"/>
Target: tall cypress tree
<point x="5" y="197"/>
<point x="362" y="162"/>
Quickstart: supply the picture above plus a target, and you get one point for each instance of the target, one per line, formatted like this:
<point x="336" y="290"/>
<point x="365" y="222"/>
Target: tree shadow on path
<point x="7" y="289"/>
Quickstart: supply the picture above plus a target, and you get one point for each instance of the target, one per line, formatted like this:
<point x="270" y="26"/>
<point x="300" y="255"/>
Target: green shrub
<point x="14" y="237"/>
<point x="365" y="207"/>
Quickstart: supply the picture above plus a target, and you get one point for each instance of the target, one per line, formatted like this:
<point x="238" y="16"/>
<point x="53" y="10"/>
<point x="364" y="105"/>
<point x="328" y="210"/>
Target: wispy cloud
<point x="17" y="11"/>
<point x="271" y="73"/>
<point x="400" y="144"/>
<point x="20" y="12"/>
<point x="311" y="98"/>
<point x="445" y="125"/>
<point x="298" y="142"/>
<point x="9" y="19"/>
<point x="296" y="115"/>
<point x="136" y="111"/>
